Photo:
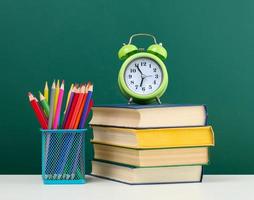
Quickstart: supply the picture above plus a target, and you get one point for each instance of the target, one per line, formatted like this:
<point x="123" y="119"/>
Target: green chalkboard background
<point x="211" y="61"/>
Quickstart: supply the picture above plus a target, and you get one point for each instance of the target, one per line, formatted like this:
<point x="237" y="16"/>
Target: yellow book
<point x="154" y="138"/>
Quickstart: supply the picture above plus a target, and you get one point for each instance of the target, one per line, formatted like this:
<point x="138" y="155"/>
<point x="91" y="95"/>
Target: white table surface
<point x="213" y="187"/>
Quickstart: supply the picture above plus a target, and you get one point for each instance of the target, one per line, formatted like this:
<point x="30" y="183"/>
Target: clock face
<point x="143" y="76"/>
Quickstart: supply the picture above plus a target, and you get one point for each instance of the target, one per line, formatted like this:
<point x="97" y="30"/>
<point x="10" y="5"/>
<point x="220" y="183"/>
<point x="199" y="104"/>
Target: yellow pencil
<point x="56" y="96"/>
<point x="46" y="92"/>
<point x="68" y="97"/>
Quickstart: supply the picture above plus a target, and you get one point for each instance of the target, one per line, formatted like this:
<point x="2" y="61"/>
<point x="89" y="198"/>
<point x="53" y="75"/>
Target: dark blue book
<point x="149" y="116"/>
<point x="147" y="175"/>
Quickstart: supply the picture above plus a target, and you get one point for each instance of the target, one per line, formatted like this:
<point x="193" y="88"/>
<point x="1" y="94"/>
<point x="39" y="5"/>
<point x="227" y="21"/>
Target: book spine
<point x="206" y="116"/>
<point x="201" y="176"/>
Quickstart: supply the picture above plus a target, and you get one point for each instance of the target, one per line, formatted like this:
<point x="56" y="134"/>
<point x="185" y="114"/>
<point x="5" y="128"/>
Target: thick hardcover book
<point x="151" y="157"/>
<point x="149" y="116"/>
<point x="147" y="175"/>
<point x="154" y="138"/>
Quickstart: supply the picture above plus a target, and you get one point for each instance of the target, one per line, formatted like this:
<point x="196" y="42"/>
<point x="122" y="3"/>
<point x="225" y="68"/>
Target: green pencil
<point x="44" y="104"/>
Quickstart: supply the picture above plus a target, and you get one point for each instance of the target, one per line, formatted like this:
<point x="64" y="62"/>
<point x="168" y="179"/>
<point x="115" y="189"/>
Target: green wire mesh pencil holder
<point x="63" y="156"/>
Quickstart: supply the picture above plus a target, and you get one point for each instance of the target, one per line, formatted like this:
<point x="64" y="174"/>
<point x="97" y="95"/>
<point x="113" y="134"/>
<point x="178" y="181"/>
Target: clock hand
<point x="141" y="83"/>
<point x="139" y="70"/>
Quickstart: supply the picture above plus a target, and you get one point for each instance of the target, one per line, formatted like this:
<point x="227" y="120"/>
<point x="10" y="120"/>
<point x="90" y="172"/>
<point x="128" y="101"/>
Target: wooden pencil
<point x="81" y="107"/>
<point x="73" y="105"/>
<point x="46" y="92"/>
<point x="79" y="146"/>
<point x="59" y="106"/>
<point x="77" y="106"/>
<point x="38" y="111"/>
<point x="85" y="109"/>
<point x="73" y="91"/>
<point x="68" y="97"/>
<point x="51" y="106"/>
<point x="56" y="97"/>
<point x="44" y="104"/>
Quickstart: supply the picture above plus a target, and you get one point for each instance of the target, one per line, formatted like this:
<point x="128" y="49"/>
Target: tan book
<point x="147" y="175"/>
<point x="151" y="157"/>
<point x="149" y="116"/>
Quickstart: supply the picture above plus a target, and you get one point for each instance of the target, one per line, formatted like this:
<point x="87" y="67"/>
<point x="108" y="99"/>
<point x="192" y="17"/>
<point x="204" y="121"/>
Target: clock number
<point x="154" y="82"/>
<point x="143" y="63"/>
<point x="130" y="76"/>
<point x="136" y="86"/>
<point x="143" y="89"/>
<point x="156" y="75"/>
<point x="150" y="66"/>
<point x="132" y="82"/>
<point x="150" y="87"/>
<point x="133" y="70"/>
<point x="136" y="64"/>
<point x="154" y="69"/>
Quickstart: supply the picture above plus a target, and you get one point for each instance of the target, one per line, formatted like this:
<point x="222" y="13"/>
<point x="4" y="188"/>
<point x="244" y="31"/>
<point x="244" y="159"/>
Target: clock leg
<point x="158" y="100"/>
<point x="130" y="100"/>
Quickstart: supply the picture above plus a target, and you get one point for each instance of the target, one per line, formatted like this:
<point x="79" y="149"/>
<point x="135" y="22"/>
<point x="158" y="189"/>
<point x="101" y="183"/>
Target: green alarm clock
<point x="143" y="76"/>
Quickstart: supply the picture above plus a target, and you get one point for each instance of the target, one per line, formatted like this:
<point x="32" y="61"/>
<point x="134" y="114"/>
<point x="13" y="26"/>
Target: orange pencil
<point x="38" y="111"/>
<point x="73" y="104"/>
<point x="81" y="107"/>
<point x="77" y="106"/>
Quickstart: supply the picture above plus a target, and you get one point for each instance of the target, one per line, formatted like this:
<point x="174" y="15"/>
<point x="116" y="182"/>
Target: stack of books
<point x="151" y="144"/>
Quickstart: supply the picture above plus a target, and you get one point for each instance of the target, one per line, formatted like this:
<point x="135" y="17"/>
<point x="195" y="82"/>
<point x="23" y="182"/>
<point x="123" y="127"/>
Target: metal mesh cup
<point x="63" y="156"/>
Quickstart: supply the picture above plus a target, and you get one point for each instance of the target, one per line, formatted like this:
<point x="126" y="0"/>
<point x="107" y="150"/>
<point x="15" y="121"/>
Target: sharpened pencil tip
<point x="91" y="88"/>
<point x="30" y="96"/>
<point x="46" y="85"/>
<point x="53" y="84"/>
<point x="62" y="85"/>
<point x="41" y="96"/>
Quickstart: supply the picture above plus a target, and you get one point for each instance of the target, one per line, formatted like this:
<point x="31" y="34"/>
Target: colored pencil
<point x="79" y="147"/>
<point x="51" y="107"/>
<point x="77" y="107"/>
<point x="73" y="105"/>
<point x="85" y="112"/>
<point x="81" y="107"/>
<point x="49" y="145"/>
<point x="56" y="97"/>
<point x="44" y="104"/>
<point x="38" y="111"/>
<point x="85" y="109"/>
<point x="68" y="97"/>
<point x="74" y="90"/>
<point x="59" y="106"/>
<point x="67" y="139"/>
<point x="46" y="92"/>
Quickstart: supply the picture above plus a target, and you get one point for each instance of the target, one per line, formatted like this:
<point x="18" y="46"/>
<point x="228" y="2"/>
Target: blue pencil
<point x="85" y="110"/>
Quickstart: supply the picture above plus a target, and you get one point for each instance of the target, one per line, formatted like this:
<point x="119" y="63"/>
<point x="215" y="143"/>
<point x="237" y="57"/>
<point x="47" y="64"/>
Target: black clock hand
<point x="141" y="83"/>
<point x="139" y="69"/>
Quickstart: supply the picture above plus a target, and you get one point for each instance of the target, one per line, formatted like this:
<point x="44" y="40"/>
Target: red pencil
<point x="73" y="105"/>
<point x="77" y="107"/>
<point x="81" y="107"/>
<point x="38" y="111"/>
